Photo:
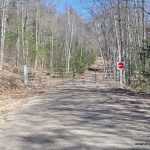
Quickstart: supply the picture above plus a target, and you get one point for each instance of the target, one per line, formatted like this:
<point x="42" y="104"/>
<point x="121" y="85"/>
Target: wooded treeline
<point x="122" y="28"/>
<point x="33" y="33"/>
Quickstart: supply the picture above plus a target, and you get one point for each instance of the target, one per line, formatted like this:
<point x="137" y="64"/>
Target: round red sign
<point x="120" y="65"/>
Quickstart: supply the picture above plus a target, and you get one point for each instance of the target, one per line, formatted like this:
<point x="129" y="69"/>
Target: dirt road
<point x="87" y="116"/>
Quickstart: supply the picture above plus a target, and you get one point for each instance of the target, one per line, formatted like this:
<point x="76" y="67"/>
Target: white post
<point x="120" y="70"/>
<point x="25" y="75"/>
<point x="121" y="77"/>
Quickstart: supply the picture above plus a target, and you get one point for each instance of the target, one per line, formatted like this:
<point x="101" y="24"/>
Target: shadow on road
<point x="88" y="119"/>
<point x="127" y="92"/>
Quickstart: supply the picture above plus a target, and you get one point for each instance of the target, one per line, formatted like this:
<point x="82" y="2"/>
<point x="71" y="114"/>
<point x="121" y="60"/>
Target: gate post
<point x="25" y="76"/>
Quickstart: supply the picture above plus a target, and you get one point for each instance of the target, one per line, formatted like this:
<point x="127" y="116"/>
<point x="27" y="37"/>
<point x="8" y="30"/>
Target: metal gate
<point x="91" y="77"/>
<point x="61" y="78"/>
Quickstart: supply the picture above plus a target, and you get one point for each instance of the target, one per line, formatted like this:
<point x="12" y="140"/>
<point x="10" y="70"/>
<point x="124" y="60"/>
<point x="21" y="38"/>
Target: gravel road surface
<point x="78" y="116"/>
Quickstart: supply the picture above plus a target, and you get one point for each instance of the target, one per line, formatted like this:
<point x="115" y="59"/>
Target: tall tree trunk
<point x="52" y="50"/>
<point x="18" y="46"/>
<point x="67" y="40"/>
<point x="22" y="33"/>
<point x="3" y="30"/>
<point x="119" y="40"/>
<point x="36" y="36"/>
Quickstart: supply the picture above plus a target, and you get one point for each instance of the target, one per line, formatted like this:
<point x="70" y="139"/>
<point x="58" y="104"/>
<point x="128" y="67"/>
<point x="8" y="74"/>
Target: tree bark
<point x="3" y="30"/>
<point x="36" y="35"/>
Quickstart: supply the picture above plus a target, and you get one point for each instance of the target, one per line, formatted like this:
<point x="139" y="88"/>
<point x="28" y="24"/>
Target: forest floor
<point x="77" y="114"/>
<point x="12" y="91"/>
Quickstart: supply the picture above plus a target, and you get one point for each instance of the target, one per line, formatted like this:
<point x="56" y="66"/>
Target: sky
<point x="74" y="3"/>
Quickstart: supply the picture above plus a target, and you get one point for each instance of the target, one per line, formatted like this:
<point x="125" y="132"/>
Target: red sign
<point x="120" y="65"/>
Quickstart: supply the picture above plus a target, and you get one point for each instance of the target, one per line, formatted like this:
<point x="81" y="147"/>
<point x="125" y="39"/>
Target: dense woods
<point x="33" y="33"/>
<point x="122" y="28"/>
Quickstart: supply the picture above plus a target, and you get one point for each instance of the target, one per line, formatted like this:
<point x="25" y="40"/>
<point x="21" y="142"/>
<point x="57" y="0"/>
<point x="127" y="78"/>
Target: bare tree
<point x="3" y="30"/>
